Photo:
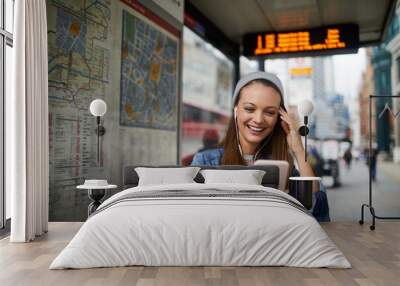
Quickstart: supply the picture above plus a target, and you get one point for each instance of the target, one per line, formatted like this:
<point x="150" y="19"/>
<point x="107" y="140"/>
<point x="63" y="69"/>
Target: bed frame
<point x="130" y="178"/>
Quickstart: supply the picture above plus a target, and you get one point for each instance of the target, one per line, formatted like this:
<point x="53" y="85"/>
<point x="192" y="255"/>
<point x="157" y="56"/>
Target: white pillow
<point x="163" y="176"/>
<point x="249" y="177"/>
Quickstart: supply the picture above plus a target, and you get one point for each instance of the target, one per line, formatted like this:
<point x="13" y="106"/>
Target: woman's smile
<point x="255" y="130"/>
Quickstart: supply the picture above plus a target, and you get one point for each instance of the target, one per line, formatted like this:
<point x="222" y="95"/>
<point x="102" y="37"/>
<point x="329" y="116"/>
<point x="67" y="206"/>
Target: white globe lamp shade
<point x="98" y="107"/>
<point x="305" y="107"/>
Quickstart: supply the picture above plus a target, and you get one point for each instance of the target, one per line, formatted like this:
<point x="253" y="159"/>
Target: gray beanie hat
<point x="257" y="75"/>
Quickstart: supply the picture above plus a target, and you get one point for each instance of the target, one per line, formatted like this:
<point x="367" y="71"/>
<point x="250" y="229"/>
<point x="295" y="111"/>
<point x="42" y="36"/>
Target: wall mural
<point x="138" y="83"/>
<point x="78" y="73"/>
<point x="148" y="74"/>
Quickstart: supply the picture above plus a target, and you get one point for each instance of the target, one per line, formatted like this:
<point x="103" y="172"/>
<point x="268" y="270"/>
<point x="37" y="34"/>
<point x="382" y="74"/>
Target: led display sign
<point x="317" y="41"/>
<point x="307" y="71"/>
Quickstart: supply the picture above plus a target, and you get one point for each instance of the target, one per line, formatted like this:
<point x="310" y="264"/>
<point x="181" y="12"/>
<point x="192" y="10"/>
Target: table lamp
<point x="98" y="108"/>
<point x="305" y="108"/>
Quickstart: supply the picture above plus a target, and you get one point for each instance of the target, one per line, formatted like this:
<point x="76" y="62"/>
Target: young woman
<point x="261" y="128"/>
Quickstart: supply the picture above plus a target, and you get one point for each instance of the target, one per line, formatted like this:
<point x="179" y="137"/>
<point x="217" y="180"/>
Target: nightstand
<point x="95" y="194"/>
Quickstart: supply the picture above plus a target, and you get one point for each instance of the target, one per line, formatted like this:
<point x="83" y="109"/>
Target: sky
<point x="348" y="72"/>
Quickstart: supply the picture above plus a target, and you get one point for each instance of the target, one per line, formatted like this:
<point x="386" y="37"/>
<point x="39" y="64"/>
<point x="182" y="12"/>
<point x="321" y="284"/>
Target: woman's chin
<point x="255" y="139"/>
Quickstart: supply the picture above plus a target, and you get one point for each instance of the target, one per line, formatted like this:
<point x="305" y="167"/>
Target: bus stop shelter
<point x="225" y="23"/>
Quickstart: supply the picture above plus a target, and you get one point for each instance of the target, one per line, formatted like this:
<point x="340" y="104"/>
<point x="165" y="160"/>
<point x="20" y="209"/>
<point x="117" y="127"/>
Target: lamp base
<point x="100" y="130"/>
<point x="303" y="130"/>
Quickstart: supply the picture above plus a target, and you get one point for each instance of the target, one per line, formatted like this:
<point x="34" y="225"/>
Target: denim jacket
<point x="320" y="209"/>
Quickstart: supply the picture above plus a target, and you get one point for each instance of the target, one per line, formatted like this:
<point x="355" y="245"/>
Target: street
<point x="345" y="201"/>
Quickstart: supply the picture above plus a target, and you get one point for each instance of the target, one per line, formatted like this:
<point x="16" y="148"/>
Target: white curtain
<point x="28" y="146"/>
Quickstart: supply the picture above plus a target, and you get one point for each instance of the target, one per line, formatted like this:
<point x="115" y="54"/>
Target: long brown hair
<point x="274" y="146"/>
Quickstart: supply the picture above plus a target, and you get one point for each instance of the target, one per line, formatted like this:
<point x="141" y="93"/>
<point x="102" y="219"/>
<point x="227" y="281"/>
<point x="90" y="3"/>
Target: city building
<point x="392" y="44"/>
<point x="366" y="89"/>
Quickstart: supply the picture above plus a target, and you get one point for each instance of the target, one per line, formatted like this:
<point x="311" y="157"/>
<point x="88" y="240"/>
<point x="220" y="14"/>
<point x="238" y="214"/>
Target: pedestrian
<point x="371" y="160"/>
<point x="348" y="157"/>
<point x="210" y="140"/>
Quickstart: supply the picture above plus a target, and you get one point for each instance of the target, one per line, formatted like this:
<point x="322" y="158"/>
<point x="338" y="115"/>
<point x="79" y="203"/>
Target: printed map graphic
<point x="148" y="75"/>
<point x="79" y="55"/>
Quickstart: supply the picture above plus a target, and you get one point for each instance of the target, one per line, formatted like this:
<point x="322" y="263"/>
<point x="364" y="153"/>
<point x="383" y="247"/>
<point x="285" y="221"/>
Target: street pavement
<point x="345" y="201"/>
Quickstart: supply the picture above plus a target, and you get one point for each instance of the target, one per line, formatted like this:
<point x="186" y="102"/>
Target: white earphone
<point x="235" y="112"/>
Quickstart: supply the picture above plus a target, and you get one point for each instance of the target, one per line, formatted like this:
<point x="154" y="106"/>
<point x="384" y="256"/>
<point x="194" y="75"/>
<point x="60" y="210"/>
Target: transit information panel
<point x="338" y="39"/>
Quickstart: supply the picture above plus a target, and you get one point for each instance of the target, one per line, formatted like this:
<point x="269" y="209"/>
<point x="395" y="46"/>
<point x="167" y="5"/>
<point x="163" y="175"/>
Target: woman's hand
<point x="289" y="124"/>
<point x="291" y="128"/>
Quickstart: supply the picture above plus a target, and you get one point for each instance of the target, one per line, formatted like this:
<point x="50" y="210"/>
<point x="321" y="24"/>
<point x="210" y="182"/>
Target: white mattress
<point x="200" y="231"/>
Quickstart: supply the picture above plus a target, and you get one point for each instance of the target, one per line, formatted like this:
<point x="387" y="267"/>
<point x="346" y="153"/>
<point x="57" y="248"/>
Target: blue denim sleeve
<point x="198" y="160"/>
<point x="320" y="209"/>
<point x="211" y="157"/>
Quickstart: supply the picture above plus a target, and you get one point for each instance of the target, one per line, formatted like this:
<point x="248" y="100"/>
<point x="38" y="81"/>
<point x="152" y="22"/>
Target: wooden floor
<point x="374" y="255"/>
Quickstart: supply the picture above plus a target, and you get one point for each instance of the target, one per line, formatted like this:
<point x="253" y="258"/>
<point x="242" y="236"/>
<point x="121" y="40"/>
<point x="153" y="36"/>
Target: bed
<point x="201" y="224"/>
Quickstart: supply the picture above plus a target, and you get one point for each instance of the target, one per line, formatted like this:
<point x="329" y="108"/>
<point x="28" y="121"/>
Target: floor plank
<point x="374" y="255"/>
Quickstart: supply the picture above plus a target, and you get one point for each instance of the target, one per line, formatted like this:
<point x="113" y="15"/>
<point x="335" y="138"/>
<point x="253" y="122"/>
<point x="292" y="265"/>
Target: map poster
<point x="149" y="70"/>
<point x="79" y="59"/>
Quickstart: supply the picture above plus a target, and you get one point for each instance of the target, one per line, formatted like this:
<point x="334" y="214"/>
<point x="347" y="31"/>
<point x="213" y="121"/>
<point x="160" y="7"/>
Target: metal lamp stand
<point x="369" y="205"/>
<point x="100" y="130"/>
<point x="303" y="130"/>
<point x="97" y="194"/>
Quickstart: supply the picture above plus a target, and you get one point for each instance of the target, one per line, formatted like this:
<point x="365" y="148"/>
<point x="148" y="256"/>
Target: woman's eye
<point x="249" y="109"/>
<point x="271" y="113"/>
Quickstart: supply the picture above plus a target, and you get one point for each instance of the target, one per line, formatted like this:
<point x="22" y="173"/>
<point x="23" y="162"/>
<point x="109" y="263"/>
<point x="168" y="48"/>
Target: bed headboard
<point x="271" y="178"/>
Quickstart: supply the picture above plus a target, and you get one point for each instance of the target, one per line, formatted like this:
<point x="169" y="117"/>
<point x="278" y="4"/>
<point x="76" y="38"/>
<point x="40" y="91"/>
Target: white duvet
<point x="200" y="231"/>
